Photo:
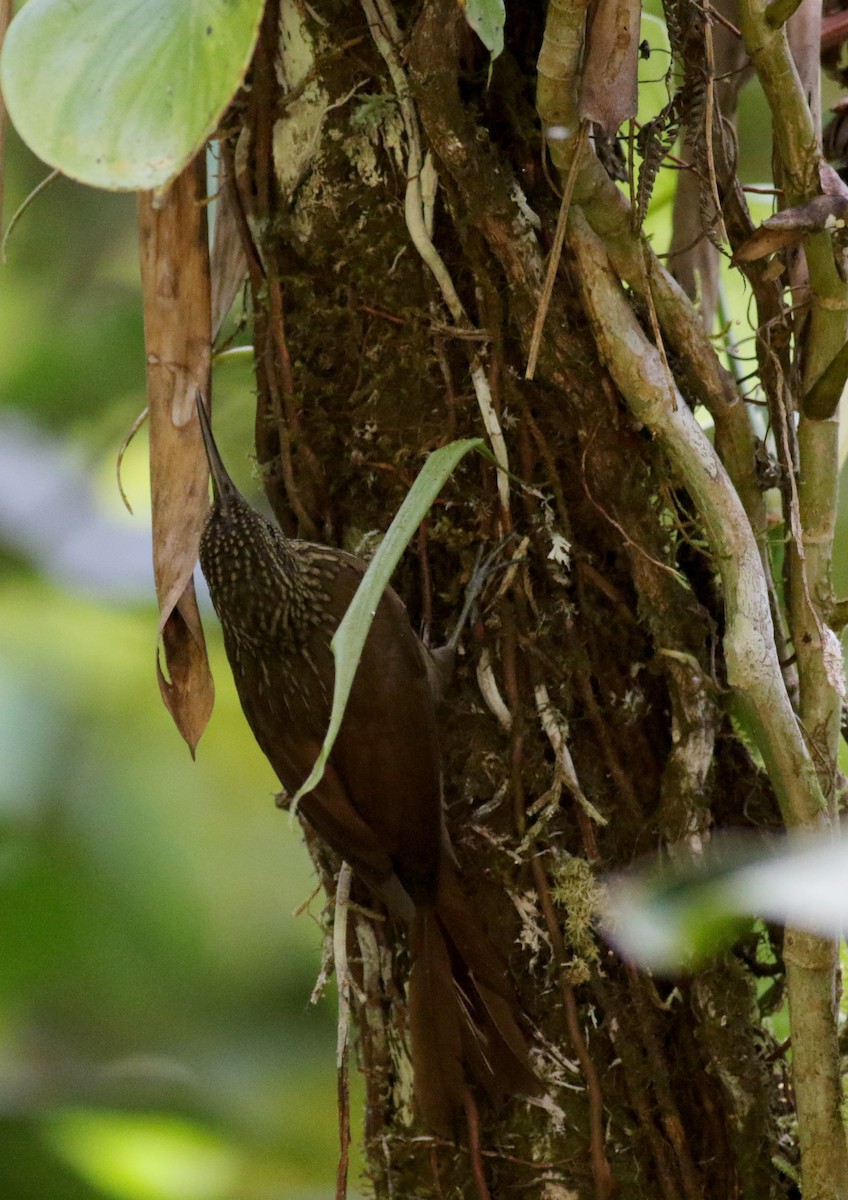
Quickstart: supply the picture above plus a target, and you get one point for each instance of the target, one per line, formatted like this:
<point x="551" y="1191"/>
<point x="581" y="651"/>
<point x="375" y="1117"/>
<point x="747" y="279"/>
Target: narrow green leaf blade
<point x="121" y="94"/>
<point x="350" y="636"/>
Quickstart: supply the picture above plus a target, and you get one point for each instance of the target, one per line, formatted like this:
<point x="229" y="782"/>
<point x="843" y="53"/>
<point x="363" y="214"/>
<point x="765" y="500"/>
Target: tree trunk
<point x="396" y="219"/>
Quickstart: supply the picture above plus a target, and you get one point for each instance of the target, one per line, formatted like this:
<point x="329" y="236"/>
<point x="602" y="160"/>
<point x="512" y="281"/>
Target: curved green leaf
<point x="121" y="94"/>
<point x="350" y="636"/>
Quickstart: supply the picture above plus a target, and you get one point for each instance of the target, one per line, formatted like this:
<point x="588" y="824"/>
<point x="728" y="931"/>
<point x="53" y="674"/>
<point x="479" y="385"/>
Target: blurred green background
<point x="156" y="1036"/>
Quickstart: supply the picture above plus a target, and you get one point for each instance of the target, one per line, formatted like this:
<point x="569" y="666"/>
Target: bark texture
<point x="587" y="724"/>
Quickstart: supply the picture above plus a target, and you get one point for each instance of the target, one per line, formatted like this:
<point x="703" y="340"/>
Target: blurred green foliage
<point x="156" y="1036"/>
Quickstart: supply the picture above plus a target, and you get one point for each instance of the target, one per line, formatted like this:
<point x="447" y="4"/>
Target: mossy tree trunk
<point x="398" y="218"/>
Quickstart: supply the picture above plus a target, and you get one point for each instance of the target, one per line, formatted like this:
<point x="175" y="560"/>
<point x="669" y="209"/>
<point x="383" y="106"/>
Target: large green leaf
<point x="350" y="636"/>
<point x="121" y="94"/>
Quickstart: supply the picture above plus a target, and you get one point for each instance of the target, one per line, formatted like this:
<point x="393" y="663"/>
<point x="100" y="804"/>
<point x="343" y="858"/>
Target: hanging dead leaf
<point x="229" y="265"/>
<point x="791" y="226"/>
<point x="609" y="92"/>
<point x="177" y="334"/>
<point x="189" y="693"/>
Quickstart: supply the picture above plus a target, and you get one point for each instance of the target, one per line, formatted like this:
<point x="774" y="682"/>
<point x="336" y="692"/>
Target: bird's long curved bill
<point x="222" y="485"/>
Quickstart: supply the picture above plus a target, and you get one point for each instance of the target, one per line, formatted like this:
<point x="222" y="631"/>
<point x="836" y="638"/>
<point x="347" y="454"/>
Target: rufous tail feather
<point x="436" y="1021"/>
<point x="463" y="1013"/>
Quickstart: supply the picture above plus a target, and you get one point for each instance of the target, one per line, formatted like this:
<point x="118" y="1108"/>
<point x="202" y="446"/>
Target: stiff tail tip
<point x="462" y="1030"/>
<point x="435" y="1021"/>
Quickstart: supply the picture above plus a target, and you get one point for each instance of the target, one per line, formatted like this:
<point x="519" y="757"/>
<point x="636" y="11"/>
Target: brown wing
<point x="380" y="806"/>
<point x="330" y="813"/>
<point x="387" y="753"/>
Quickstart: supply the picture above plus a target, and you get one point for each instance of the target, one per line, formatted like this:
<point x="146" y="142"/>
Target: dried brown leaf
<point x="229" y="265"/>
<point x="789" y="227"/>
<point x="189" y="693"/>
<point x="608" y="94"/>
<point x="177" y="327"/>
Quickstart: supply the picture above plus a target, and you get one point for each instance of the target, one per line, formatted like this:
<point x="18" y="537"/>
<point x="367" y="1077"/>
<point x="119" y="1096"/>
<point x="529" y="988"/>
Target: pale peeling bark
<point x="608" y="212"/>
<point x="754" y="671"/>
<point x="812" y="963"/>
<point x="609" y="95"/>
<point x="752" y="665"/>
<point x="752" y="662"/>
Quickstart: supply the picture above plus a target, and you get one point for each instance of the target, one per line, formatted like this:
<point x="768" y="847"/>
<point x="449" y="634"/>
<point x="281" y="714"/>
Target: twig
<point x="708" y="119"/>
<point x="556" y="252"/>
<point x="343" y="1031"/>
<point x="728" y="25"/>
<point x="255" y="266"/>
<point x="426" y="579"/>
<point x="24" y="205"/>
<point x="434" y="1168"/>
<point x="753" y="668"/>
<point x="602" y="1175"/>
<point x="488" y="686"/>
<point x="556" y="731"/>
<point x="133" y="430"/>
<point x="472" y="1121"/>
<point x="606" y="741"/>
<point x="669" y="1111"/>
<point x="386" y="34"/>
<point x="795" y="526"/>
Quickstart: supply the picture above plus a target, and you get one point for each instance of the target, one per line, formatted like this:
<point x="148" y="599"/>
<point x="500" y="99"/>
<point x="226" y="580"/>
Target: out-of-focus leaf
<point x="121" y="94"/>
<point x="487" y="18"/>
<point x="608" y="93"/>
<point x="177" y="337"/>
<point x="350" y="636"/>
<point x="145" y="1157"/>
<point x="675" y="918"/>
